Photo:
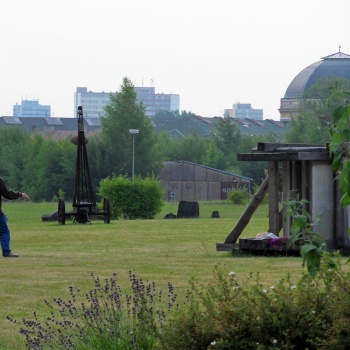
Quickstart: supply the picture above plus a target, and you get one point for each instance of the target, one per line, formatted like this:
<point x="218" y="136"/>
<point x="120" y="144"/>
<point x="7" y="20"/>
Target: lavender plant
<point x="103" y="318"/>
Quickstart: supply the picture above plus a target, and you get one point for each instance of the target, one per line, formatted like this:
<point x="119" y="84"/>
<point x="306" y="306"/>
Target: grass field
<point x="54" y="257"/>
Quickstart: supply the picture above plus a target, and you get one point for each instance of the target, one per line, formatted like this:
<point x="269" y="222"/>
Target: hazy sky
<point x="212" y="53"/>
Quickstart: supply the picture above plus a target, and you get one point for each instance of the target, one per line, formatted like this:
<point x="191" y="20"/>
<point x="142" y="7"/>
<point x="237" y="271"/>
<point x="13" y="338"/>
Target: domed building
<point x="336" y="65"/>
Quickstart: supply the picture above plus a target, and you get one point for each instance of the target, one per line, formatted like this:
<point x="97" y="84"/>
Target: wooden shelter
<point x="303" y="170"/>
<point x="193" y="182"/>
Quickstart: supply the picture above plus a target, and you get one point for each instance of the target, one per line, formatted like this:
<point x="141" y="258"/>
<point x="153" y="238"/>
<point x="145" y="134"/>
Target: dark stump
<point x="188" y="209"/>
<point x="170" y="216"/>
<point x="215" y="214"/>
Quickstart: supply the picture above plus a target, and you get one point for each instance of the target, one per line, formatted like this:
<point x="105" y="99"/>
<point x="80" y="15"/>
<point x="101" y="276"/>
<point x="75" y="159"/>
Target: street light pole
<point x="133" y="132"/>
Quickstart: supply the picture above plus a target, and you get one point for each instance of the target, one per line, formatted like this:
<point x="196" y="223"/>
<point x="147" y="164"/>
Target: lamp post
<point x="133" y="132"/>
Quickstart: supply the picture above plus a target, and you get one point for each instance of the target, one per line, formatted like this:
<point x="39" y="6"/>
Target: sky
<point x="213" y="53"/>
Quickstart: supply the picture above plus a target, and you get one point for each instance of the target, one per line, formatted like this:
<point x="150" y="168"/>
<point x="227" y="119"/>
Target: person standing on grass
<point x="7" y="193"/>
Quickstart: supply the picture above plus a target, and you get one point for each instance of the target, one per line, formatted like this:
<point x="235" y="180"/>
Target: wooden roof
<point x="286" y="152"/>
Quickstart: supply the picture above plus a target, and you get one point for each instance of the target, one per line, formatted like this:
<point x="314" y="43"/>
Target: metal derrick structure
<point x="84" y="202"/>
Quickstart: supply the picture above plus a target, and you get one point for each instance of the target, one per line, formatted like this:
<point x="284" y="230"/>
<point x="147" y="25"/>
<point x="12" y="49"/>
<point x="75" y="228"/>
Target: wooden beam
<point x="274" y="218"/>
<point x="271" y="147"/>
<point x="314" y="156"/>
<point x="284" y="156"/>
<point x="245" y="217"/>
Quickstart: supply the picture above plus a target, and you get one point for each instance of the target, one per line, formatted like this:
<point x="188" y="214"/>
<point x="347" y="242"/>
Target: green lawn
<point x="54" y="257"/>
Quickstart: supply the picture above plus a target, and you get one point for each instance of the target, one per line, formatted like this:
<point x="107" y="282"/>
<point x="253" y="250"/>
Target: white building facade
<point x="93" y="103"/>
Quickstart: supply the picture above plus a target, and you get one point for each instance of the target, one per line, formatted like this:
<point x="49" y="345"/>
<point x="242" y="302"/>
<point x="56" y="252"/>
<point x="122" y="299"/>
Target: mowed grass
<point x="54" y="257"/>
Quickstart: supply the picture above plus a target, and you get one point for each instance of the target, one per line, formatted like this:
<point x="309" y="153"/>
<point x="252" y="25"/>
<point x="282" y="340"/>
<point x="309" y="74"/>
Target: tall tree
<point x="123" y="113"/>
<point x="214" y="157"/>
<point x="227" y="139"/>
<point x="323" y="96"/>
<point x="227" y="136"/>
<point x="98" y="158"/>
<point x="51" y="168"/>
<point x="309" y="129"/>
<point x="315" y="109"/>
<point x="191" y="148"/>
<point x="14" y="144"/>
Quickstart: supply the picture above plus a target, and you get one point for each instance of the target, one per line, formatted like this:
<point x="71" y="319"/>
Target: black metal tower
<point x="83" y="193"/>
<point x="84" y="202"/>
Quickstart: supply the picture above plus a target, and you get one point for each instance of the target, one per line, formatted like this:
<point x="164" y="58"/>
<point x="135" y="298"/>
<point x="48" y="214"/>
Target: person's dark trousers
<point x="4" y="236"/>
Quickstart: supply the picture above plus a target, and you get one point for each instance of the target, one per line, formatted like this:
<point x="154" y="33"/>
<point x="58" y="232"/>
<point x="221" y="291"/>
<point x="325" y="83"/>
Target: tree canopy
<point x="315" y="111"/>
<point x="123" y="113"/>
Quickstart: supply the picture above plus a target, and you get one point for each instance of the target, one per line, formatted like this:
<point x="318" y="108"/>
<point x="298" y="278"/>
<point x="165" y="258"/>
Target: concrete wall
<point x="322" y="201"/>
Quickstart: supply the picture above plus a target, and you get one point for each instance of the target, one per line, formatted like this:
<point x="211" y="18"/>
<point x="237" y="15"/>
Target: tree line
<point x="45" y="167"/>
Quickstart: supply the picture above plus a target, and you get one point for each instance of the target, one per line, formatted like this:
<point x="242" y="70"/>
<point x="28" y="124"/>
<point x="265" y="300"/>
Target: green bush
<point x="311" y="314"/>
<point x="238" y="196"/>
<point x="141" y="199"/>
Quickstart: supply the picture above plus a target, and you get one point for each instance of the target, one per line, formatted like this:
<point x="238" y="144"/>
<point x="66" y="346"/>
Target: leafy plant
<point x="103" y="318"/>
<point x="238" y="195"/>
<point x="311" y="244"/>
<point x="311" y="314"/>
<point x="60" y="194"/>
<point x="340" y="150"/>
<point x="141" y="199"/>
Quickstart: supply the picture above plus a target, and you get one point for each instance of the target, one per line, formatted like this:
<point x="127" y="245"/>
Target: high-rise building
<point x="157" y="102"/>
<point x="93" y="103"/>
<point x="244" y="110"/>
<point x="31" y="108"/>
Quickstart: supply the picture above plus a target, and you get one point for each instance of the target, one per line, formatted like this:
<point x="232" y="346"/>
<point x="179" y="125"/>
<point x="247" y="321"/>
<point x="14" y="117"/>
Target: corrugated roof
<point x="53" y="121"/>
<point x="335" y="65"/>
<point x="93" y="121"/>
<point x="177" y="127"/>
<point x="12" y="120"/>
<point x="207" y="167"/>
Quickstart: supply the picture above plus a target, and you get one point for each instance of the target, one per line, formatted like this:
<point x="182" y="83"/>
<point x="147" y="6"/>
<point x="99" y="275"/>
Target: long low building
<point x="55" y="127"/>
<point x="174" y="127"/>
<point x="194" y="182"/>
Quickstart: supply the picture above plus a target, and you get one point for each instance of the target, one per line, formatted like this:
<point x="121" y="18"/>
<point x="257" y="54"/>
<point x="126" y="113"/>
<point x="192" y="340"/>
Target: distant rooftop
<point x="334" y="65"/>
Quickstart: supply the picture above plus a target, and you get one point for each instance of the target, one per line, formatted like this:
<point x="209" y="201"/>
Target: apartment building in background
<point x="157" y="102"/>
<point x="31" y="108"/>
<point x="93" y="103"/>
<point x="243" y="111"/>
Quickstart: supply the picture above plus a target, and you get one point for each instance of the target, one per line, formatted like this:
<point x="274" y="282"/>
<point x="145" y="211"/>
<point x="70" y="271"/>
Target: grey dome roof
<point x="337" y="65"/>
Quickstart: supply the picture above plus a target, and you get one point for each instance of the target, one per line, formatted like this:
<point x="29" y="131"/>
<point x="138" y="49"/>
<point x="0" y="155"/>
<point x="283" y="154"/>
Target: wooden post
<point x="274" y="213"/>
<point x="286" y="185"/>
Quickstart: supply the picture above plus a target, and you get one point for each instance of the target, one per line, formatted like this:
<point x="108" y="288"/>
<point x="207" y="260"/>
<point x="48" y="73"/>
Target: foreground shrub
<point x="238" y="196"/>
<point x="103" y="318"/>
<point x="141" y="199"/>
<point x="312" y="314"/>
